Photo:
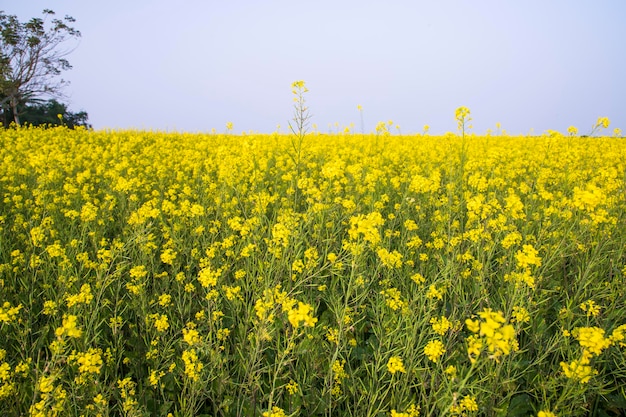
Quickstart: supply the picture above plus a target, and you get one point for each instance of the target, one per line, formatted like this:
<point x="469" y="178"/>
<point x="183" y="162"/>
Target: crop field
<point x="170" y="274"/>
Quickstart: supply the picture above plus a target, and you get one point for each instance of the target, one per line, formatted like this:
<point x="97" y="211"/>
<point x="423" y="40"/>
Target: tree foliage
<point x="48" y="113"/>
<point x="32" y="59"/>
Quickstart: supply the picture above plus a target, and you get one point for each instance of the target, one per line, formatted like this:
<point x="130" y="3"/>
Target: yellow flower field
<point x="155" y="274"/>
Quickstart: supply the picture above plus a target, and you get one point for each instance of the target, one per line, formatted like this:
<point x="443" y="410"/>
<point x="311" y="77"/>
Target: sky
<point x="195" y="65"/>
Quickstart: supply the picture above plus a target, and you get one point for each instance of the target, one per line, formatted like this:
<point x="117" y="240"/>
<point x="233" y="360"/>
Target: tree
<point x="31" y="59"/>
<point x="49" y="113"/>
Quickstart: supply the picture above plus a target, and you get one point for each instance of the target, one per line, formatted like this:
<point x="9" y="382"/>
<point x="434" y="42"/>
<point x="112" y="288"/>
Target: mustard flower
<point x="155" y="377"/>
<point x="414" y="243"/>
<point x="127" y="391"/>
<point x="367" y="227"/>
<point x="544" y="413"/>
<point x="468" y="403"/>
<point x="511" y="239"/>
<point x="299" y="84"/>
<point x="434" y="292"/>
<point x="395" y="365"/>
<point x="161" y="322"/>
<point x="5" y="371"/>
<point x="393" y="299"/>
<point x="88" y="212"/>
<point x="618" y="335"/>
<point x="474" y="347"/>
<point x="208" y="277"/>
<point x="301" y="314"/>
<point x="165" y="300"/>
<point x="410" y="225"/>
<point x="275" y="412"/>
<point x="603" y="122"/>
<point x="84" y="296"/>
<point x="493" y="332"/>
<point x="23" y="367"/>
<point x="297" y="266"/>
<point x="527" y="256"/>
<point x="168" y="256"/>
<point x="441" y="325"/>
<point x="9" y="313"/>
<point x="69" y="327"/>
<point x="591" y="339"/>
<point x="292" y="387"/>
<point x="338" y="372"/>
<point x="46" y="384"/>
<point x="191" y="336"/>
<point x="579" y="370"/>
<point x="462" y="116"/>
<point x="88" y="362"/>
<point x="232" y="293"/>
<point x="520" y="315"/>
<point x="49" y="307"/>
<point x="412" y="411"/>
<point x="418" y="278"/>
<point x="523" y="277"/>
<point x="591" y="308"/>
<point x="390" y="260"/>
<point x="192" y="365"/>
<point x="461" y="113"/>
<point x="55" y="250"/>
<point x="332" y="335"/>
<point x="434" y="350"/>
<point x="138" y="272"/>
<point x="312" y="256"/>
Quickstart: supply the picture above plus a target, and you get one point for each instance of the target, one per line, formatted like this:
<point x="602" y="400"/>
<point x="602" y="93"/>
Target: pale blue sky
<point x="194" y="65"/>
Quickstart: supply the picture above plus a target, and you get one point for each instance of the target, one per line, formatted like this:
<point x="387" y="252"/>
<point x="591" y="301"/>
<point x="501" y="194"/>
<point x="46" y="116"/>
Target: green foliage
<point x="49" y="114"/>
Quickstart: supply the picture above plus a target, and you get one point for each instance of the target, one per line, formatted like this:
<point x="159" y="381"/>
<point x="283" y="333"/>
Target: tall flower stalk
<point x="299" y="127"/>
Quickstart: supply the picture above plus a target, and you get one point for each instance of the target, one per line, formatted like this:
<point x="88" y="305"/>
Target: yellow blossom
<point x="69" y="327"/>
<point x="434" y="292"/>
<point x="591" y="339"/>
<point x="161" y="322"/>
<point x="591" y="308"/>
<point x="191" y="336"/>
<point x="84" y="296"/>
<point x="302" y="314"/>
<point x="275" y="412"/>
<point x="192" y="365"/>
<point x="395" y="365"/>
<point x="165" y="300"/>
<point x="527" y="256"/>
<point x="434" y="350"/>
<point x="9" y="313"/>
<point x="520" y="315"/>
<point x="579" y="370"/>
<point x="292" y="387"/>
<point x="441" y="325"/>
<point x="393" y="299"/>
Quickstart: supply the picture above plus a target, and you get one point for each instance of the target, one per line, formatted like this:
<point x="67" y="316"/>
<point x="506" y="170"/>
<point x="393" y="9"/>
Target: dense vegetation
<point x="145" y="273"/>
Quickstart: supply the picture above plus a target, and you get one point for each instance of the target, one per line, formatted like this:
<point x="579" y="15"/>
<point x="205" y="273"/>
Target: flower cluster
<point x="492" y="332"/>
